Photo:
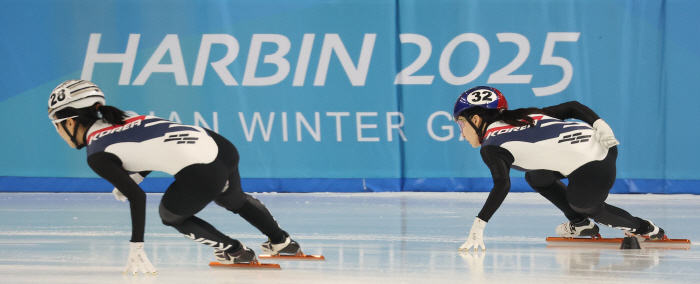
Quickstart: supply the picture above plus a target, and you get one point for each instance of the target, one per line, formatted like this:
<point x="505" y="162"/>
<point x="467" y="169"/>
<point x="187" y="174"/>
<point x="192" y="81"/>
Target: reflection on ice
<point x="365" y="237"/>
<point x="591" y="262"/>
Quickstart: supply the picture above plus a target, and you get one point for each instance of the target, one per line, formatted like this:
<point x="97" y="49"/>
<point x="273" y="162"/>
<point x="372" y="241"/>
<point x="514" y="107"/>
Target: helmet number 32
<point x="58" y="98"/>
<point x="480" y="97"/>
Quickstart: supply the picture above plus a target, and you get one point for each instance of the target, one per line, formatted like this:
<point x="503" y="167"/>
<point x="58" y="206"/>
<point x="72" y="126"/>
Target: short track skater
<point x="548" y="148"/>
<point x="123" y="148"/>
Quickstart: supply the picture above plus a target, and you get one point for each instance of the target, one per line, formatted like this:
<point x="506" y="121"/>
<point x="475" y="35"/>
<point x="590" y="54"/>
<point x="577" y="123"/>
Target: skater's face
<point x="468" y="132"/>
<point x="70" y="124"/>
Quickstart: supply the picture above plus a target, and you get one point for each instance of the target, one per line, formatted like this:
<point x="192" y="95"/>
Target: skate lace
<point x="572" y="228"/>
<point x="222" y="255"/>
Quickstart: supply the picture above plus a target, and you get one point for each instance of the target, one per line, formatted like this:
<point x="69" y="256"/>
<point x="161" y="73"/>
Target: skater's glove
<point x="604" y="134"/>
<point x="119" y="195"/>
<point x="476" y="236"/>
<point x="138" y="261"/>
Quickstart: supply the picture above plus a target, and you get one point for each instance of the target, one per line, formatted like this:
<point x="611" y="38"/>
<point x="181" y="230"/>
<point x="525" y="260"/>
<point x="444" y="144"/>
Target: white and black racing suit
<point x="552" y="150"/>
<point x="205" y="167"/>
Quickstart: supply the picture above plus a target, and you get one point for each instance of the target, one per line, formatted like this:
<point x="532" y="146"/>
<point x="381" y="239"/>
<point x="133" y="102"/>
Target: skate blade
<point x="298" y="256"/>
<point x="251" y="265"/>
<point x="666" y="243"/>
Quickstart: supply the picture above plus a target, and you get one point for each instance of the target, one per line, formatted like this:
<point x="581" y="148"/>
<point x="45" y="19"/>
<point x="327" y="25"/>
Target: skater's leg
<point x="247" y="206"/>
<point x="255" y="212"/>
<point x="238" y="202"/>
<point x="194" y="188"/>
<point x="548" y="184"/>
<point x="588" y="188"/>
<point x="199" y="230"/>
<point x="250" y="209"/>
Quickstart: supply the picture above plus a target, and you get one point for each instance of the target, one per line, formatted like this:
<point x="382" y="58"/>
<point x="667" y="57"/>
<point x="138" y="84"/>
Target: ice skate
<point x="653" y="239"/>
<point x="243" y="258"/>
<point x="585" y="228"/>
<point x="656" y="233"/>
<point x="289" y="249"/>
<point x="243" y="255"/>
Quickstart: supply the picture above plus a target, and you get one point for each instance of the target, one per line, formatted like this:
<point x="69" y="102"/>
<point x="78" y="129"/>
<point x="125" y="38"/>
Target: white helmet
<point x="76" y="94"/>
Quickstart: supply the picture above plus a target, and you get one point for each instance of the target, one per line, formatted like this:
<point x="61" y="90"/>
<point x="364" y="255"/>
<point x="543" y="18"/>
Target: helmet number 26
<point x="480" y="97"/>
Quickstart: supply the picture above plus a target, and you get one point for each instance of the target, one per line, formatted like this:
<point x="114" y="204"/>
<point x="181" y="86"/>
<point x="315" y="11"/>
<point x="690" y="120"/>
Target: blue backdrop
<point x="323" y="95"/>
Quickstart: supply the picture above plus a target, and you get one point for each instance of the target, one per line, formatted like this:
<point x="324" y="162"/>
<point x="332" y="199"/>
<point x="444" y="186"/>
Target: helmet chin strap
<point x="479" y="130"/>
<point x="73" y="137"/>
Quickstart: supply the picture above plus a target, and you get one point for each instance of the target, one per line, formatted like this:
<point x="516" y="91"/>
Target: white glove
<point x="119" y="195"/>
<point x="138" y="261"/>
<point x="476" y="236"/>
<point x="604" y="134"/>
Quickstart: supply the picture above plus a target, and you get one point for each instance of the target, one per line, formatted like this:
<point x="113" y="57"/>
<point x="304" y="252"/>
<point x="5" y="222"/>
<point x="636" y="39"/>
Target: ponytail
<point x="516" y="117"/>
<point x="111" y="115"/>
<point x="520" y="117"/>
<point x="88" y="115"/>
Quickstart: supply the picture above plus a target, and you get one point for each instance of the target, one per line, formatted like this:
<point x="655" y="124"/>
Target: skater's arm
<point x="572" y="109"/>
<point x="499" y="161"/>
<point x="109" y="167"/>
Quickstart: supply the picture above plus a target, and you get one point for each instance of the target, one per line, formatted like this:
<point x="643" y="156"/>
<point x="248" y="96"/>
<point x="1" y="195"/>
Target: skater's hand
<point x="119" y="195"/>
<point x="476" y="236"/>
<point x="604" y="134"/>
<point x="138" y="261"/>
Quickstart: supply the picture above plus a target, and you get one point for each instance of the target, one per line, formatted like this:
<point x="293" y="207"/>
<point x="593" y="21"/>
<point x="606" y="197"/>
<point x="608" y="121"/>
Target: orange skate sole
<point x="252" y="265"/>
<point x="298" y="256"/>
<point x="664" y="243"/>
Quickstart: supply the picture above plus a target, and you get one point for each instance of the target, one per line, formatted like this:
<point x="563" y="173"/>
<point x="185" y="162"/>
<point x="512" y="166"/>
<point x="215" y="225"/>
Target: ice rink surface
<point x="365" y="237"/>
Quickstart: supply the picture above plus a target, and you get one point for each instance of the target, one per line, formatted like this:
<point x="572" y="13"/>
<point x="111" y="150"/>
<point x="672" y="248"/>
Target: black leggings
<point x="197" y="185"/>
<point x="589" y="186"/>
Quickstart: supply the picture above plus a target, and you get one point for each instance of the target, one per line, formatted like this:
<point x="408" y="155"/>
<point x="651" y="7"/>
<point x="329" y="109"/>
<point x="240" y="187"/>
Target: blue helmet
<point x="481" y="96"/>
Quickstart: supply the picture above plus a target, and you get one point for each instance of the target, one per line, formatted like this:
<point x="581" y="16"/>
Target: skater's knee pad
<point x="233" y="200"/>
<point x="233" y="204"/>
<point x="541" y="179"/>
<point x="251" y="203"/>
<point x="170" y="218"/>
<point x="251" y="207"/>
<point x="589" y="210"/>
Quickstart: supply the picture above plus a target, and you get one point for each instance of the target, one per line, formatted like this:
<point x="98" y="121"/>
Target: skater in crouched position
<point x="548" y="148"/>
<point x="123" y="149"/>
